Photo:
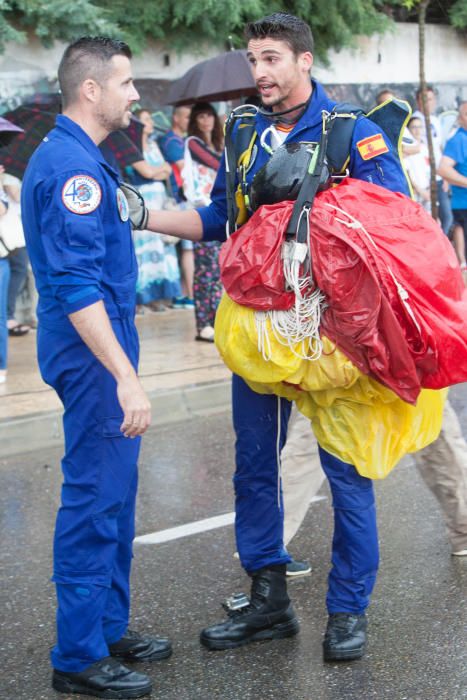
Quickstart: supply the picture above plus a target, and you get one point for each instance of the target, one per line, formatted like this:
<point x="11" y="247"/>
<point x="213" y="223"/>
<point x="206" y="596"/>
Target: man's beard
<point x="112" y="122"/>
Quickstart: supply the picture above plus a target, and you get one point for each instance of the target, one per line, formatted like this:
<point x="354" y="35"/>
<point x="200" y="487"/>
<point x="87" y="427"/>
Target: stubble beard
<point x="112" y="122"/>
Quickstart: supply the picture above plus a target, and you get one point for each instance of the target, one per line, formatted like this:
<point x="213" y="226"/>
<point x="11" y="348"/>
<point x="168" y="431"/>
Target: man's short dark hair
<point x="88" y="57"/>
<point x="294" y="31"/>
<point x="429" y="88"/>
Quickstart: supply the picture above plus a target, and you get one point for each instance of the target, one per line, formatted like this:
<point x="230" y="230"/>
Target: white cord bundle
<point x="299" y="326"/>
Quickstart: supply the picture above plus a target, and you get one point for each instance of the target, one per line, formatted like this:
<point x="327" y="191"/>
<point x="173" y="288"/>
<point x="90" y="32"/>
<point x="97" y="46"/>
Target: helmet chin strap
<point x="279" y="116"/>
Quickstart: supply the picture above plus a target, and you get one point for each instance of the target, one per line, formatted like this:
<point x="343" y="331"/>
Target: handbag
<point x="11" y="230"/>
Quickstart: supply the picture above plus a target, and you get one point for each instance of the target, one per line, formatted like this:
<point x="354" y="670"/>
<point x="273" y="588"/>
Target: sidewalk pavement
<point x="182" y="377"/>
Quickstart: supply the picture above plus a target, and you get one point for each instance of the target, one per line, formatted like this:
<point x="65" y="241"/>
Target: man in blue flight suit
<point x="280" y="49"/>
<point x="80" y="245"/>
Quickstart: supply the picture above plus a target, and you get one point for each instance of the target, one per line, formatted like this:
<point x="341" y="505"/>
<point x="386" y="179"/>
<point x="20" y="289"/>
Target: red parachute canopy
<point x="397" y="301"/>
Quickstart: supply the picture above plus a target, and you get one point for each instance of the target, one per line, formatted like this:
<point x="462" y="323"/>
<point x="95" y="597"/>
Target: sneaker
<point x="460" y="553"/>
<point x="298" y="568"/>
<point x="183" y="303"/>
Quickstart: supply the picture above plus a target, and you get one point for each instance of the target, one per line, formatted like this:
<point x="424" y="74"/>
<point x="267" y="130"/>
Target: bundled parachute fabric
<point x="251" y="265"/>
<point x="396" y="302"/>
<point x="353" y="416"/>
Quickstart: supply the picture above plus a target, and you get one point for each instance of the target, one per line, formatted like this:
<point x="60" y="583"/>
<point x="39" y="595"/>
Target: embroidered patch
<point x="81" y="194"/>
<point x="372" y="146"/>
<point x="122" y="205"/>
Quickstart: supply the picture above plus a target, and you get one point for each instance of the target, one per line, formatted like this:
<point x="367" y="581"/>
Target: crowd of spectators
<point x="178" y="170"/>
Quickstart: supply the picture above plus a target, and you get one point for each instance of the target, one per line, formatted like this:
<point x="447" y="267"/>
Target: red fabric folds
<point x="405" y="343"/>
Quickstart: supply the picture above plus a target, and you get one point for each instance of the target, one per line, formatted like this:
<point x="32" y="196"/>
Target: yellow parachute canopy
<point x="353" y="416"/>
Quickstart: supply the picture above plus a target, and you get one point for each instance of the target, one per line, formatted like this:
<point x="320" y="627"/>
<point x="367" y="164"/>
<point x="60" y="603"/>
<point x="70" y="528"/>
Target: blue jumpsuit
<point x="260" y="421"/>
<point x="81" y="250"/>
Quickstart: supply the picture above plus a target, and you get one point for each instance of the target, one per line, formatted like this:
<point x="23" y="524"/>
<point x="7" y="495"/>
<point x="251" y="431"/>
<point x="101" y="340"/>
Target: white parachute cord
<point x="278" y="452"/>
<point x="264" y="343"/>
<point x="402" y="292"/>
<point x="298" y="327"/>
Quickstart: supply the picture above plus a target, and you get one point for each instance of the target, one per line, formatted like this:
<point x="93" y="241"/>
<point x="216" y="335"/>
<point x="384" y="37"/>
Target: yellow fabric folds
<point x="353" y="416"/>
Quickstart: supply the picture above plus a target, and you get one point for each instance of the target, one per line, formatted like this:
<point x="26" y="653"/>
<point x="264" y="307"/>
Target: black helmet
<point x="281" y="177"/>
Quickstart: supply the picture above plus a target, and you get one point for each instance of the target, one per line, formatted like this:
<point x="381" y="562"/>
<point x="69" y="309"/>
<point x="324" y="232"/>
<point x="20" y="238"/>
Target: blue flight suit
<point x="260" y="421"/>
<point x="81" y="250"/>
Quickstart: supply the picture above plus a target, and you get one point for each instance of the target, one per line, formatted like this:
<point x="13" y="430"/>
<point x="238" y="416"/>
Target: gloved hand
<point x="138" y="211"/>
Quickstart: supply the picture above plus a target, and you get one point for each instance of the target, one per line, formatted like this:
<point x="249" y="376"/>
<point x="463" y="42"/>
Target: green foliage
<point x="458" y="14"/>
<point x="190" y="23"/>
<point x="7" y="31"/>
<point x="53" y="19"/>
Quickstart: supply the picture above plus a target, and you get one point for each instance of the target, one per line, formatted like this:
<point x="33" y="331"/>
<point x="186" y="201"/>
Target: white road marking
<point x="174" y="533"/>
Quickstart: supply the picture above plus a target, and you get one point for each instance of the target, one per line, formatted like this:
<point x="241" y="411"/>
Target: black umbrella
<point x="224" y="77"/>
<point x="8" y="131"/>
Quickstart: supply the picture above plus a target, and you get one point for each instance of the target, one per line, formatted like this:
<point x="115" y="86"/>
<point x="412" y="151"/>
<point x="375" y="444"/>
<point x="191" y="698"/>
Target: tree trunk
<point x="429" y="136"/>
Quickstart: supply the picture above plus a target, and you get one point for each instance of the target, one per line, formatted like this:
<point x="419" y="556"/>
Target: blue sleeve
<point x="214" y="217"/>
<point x="384" y="168"/>
<point x="74" y="243"/>
<point x="453" y="149"/>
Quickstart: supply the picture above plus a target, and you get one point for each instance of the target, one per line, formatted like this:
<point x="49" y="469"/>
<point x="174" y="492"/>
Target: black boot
<point x="137" y="647"/>
<point x="345" y="637"/>
<point x="106" y="678"/>
<point x="267" y="615"/>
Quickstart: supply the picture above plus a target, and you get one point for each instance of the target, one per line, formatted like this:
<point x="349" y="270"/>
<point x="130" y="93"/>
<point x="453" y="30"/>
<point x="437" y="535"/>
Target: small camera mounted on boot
<point x="237" y="601"/>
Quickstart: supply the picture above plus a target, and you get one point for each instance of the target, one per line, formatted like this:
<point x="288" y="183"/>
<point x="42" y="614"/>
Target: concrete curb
<point x="42" y="430"/>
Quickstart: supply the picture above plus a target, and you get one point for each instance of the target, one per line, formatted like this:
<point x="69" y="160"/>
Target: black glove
<point x="138" y="212"/>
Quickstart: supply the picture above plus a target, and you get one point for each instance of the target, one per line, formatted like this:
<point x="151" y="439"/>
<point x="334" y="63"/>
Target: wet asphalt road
<point x="417" y="619"/>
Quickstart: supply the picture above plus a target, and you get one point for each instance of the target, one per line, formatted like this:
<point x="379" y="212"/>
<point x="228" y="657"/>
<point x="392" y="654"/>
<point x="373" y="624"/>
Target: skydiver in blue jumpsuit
<point x="80" y="245"/>
<point x="280" y="52"/>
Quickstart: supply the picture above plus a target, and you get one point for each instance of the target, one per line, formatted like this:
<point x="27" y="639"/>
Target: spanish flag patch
<point x="372" y="146"/>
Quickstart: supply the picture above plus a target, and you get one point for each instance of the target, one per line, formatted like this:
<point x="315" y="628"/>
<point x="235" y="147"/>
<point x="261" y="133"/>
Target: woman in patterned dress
<point x="158" y="271"/>
<point x="202" y="158"/>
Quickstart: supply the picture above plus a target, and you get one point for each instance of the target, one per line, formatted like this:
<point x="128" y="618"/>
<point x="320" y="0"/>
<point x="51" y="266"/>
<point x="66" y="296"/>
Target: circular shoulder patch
<point x="122" y="205"/>
<point x="81" y="194"/>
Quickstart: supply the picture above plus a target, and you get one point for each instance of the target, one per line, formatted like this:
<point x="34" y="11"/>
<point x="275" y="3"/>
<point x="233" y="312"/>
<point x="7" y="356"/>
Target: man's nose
<point x="134" y="94"/>
<point x="258" y="71"/>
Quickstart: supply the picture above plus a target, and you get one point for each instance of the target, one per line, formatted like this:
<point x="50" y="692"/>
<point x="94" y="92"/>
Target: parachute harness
<point x="298" y="328"/>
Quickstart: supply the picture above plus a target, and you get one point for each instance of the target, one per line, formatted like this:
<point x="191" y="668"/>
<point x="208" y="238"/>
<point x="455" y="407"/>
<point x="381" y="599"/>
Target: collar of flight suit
<point x="64" y="123"/>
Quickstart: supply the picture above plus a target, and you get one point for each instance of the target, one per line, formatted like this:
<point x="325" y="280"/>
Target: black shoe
<point x="136" y="647"/>
<point x="345" y="637"/>
<point x="106" y="678"/>
<point x="268" y="614"/>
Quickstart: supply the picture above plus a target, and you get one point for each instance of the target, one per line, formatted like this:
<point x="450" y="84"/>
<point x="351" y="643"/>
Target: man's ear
<point x="90" y="90"/>
<point x="305" y="60"/>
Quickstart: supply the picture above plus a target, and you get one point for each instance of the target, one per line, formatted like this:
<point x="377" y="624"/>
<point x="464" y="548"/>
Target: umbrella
<point x="223" y="77"/>
<point x="126" y="144"/>
<point x="37" y="118"/>
<point x="36" y="123"/>
<point x="8" y="131"/>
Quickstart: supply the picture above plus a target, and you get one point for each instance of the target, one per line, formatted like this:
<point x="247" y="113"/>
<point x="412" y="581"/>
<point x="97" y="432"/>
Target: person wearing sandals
<point x="203" y="150"/>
